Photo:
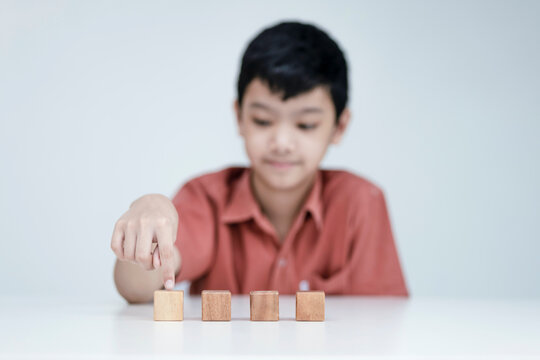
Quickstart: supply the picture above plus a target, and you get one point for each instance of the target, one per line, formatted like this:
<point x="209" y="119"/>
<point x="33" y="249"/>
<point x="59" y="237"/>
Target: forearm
<point x="136" y="284"/>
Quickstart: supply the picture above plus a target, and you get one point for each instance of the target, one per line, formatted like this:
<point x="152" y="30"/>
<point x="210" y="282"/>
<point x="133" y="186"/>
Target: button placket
<point x="303" y="285"/>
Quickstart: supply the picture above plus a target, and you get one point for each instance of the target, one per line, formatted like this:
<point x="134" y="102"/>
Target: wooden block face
<point x="216" y="305"/>
<point x="264" y="305"/>
<point x="169" y="305"/>
<point x="310" y="306"/>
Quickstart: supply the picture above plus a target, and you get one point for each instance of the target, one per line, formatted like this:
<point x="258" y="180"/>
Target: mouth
<point x="281" y="165"/>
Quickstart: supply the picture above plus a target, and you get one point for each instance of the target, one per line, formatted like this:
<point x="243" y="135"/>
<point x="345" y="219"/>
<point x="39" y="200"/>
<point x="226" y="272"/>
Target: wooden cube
<point x="216" y="305"/>
<point x="169" y="305"/>
<point x="310" y="306"/>
<point x="264" y="305"/>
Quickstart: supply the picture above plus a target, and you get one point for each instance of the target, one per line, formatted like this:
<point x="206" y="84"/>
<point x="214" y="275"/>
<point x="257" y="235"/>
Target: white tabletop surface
<point x="363" y="327"/>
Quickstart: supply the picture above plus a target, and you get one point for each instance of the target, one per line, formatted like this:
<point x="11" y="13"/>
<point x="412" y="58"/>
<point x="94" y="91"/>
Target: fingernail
<point x="169" y="284"/>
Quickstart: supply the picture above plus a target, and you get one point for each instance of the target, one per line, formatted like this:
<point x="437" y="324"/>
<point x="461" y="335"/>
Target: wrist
<point x="150" y="198"/>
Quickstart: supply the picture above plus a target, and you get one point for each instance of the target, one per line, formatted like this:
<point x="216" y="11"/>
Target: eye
<point x="261" y="122"/>
<point x="307" y="126"/>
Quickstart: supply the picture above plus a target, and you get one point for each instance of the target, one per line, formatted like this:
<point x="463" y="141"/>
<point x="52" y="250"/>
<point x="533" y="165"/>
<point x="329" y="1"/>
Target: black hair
<point x="293" y="58"/>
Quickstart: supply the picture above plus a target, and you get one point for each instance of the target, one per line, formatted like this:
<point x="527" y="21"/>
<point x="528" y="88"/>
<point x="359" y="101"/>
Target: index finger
<point x="166" y="254"/>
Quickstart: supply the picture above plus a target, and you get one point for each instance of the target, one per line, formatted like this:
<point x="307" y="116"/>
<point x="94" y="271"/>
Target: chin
<point x="280" y="179"/>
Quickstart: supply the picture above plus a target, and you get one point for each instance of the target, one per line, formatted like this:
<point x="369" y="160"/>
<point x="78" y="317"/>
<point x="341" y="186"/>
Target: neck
<point x="280" y="206"/>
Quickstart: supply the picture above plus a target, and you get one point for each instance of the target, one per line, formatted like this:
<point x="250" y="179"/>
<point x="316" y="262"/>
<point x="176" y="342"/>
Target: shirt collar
<point x="243" y="206"/>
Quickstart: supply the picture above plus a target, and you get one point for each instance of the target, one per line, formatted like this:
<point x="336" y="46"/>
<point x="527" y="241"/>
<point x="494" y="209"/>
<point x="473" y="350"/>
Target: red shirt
<point x="340" y="242"/>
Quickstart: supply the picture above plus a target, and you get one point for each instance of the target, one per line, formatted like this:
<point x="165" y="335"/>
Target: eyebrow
<point x="306" y="110"/>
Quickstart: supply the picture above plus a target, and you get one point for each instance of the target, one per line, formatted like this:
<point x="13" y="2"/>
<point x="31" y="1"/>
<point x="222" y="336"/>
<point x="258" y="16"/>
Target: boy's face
<point x="286" y="140"/>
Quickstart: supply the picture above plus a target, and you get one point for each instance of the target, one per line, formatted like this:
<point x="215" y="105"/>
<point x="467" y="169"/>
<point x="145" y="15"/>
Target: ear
<point x="238" y="115"/>
<point x="340" y="128"/>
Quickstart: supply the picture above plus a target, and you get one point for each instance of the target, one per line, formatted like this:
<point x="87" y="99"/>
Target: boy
<point x="281" y="224"/>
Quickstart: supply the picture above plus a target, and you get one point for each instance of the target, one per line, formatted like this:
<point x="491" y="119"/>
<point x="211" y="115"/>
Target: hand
<point x="151" y="220"/>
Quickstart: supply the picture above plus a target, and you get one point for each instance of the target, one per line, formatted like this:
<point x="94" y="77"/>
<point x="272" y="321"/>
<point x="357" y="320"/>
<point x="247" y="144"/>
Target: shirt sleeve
<point x="372" y="266"/>
<point x="196" y="231"/>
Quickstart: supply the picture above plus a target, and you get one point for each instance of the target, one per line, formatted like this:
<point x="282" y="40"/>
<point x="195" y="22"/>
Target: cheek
<point x="314" y="148"/>
<point x="254" y="144"/>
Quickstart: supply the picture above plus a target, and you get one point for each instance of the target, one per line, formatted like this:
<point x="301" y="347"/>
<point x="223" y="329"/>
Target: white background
<point x="102" y="102"/>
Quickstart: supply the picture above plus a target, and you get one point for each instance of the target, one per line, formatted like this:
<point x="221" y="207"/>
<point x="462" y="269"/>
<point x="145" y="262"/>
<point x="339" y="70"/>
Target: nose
<point x="282" y="140"/>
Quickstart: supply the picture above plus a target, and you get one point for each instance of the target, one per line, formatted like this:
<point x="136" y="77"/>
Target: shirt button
<point x="303" y="285"/>
<point x="282" y="262"/>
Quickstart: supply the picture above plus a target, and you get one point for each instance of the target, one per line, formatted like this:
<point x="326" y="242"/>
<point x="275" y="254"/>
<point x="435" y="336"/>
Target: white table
<point x="367" y="327"/>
